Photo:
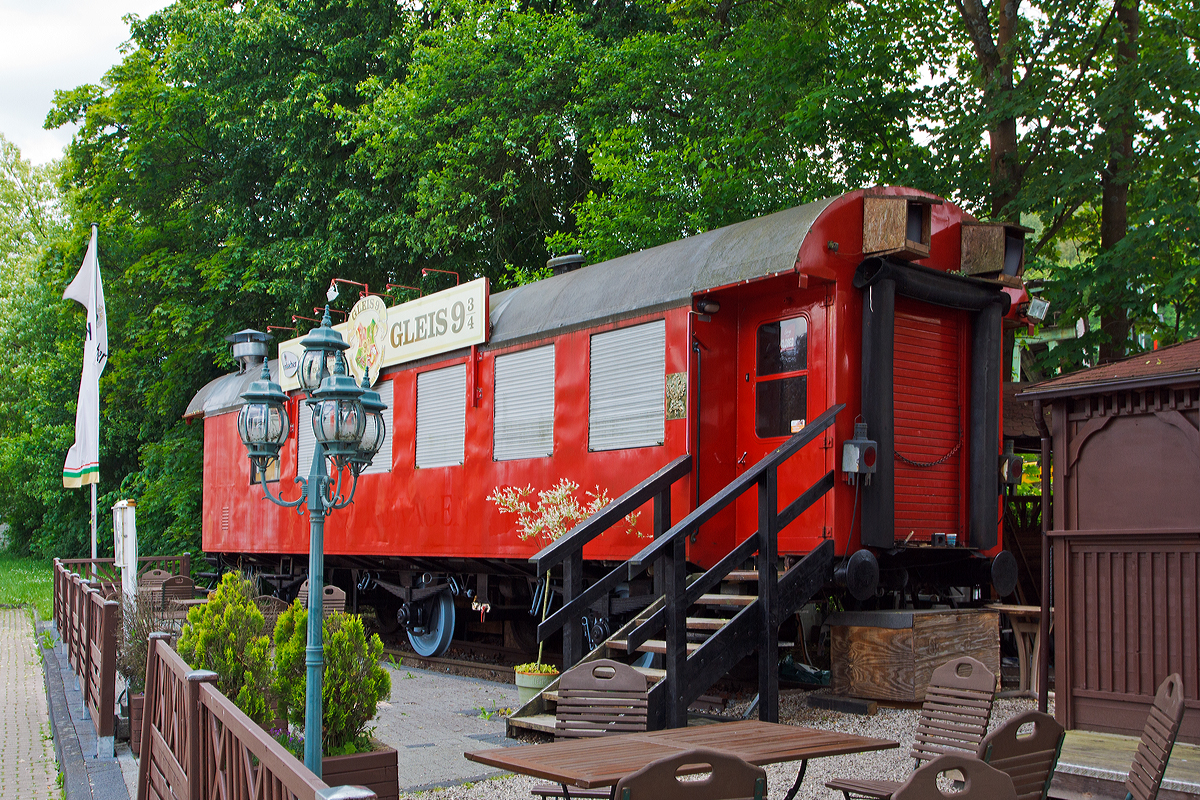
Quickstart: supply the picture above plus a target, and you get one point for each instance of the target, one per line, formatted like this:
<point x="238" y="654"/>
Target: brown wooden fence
<point x="1130" y="604"/>
<point x="198" y="744"/>
<point x="87" y="622"/>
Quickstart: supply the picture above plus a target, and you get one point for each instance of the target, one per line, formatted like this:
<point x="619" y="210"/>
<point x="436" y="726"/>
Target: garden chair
<point x="597" y="698"/>
<point x="1029" y="758"/>
<point x="729" y="778"/>
<point x="334" y="599"/>
<point x="176" y="587"/>
<point x="271" y="608"/>
<point x="972" y="780"/>
<point x="954" y="719"/>
<point x="1158" y="737"/>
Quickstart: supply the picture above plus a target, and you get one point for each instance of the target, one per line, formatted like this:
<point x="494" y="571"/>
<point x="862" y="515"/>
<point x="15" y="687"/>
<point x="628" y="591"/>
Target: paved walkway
<point x="433" y="718"/>
<point x="28" y="768"/>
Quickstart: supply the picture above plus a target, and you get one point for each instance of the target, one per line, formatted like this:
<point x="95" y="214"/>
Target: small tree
<point x="225" y="635"/>
<point x="558" y="511"/>
<point x="353" y="684"/>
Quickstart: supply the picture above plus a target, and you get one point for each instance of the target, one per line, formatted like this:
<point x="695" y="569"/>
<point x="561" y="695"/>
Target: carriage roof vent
<point x="249" y="348"/>
<point x="565" y="263"/>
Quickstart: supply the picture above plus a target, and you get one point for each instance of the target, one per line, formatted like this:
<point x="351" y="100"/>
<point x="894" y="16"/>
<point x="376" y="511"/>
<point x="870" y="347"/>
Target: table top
<point x="603" y="761"/>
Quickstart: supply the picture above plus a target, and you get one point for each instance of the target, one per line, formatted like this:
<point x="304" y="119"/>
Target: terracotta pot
<point x="530" y="684"/>
<point x="136" y="703"/>
<point x="378" y="770"/>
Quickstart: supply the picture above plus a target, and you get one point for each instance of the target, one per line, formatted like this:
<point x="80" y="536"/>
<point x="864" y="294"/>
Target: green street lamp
<point x="349" y="429"/>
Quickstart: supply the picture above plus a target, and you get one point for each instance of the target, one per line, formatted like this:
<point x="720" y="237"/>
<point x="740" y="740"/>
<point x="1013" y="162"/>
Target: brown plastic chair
<point x="152" y="579"/>
<point x="729" y="778"/>
<point x="334" y="599"/>
<point x="979" y="781"/>
<point x="1028" y="759"/>
<point x="1158" y="737"/>
<point x="597" y="698"/>
<point x="954" y="719"/>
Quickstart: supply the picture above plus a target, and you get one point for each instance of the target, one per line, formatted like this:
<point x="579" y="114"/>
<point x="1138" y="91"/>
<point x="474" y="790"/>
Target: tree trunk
<point x="1114" y="202"/>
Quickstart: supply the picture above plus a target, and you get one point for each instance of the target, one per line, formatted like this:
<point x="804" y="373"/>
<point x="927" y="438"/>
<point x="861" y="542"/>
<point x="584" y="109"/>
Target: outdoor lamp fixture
<point x="342" y="413"/>
<point x="331" y="293"/>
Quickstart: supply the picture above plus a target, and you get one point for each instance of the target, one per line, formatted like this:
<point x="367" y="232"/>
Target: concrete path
<point x="433" y="718"/>
<point x="28" y="768"/>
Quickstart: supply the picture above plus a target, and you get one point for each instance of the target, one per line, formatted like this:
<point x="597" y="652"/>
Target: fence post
<point x="149" y="709"/>
<point x="194" y="679"/>
<point x="768" y="597"/>
<point x="106" y="691"/>
<point x="185" y="564"/>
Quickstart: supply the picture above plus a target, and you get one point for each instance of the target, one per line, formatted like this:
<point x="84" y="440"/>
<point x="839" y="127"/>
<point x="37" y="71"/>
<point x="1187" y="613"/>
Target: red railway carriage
<point x="721" y="346"/>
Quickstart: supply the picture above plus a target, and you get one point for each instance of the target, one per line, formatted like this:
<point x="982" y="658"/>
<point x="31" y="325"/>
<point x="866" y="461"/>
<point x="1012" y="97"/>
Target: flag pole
<point x="93" y="530"/>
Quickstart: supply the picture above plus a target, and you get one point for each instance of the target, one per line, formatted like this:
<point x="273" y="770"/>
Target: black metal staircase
<point x="691" y="668"/>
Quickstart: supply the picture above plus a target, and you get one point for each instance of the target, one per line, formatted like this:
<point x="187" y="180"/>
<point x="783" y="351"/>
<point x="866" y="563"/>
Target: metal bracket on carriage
<point x="482" y="608"/>
<point x="411" y="595"/>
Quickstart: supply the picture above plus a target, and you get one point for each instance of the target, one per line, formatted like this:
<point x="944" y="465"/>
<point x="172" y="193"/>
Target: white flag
<point x="83" y="460"/>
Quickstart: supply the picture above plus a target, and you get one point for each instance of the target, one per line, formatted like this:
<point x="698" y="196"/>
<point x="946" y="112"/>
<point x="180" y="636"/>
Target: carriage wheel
<point x="439" y="627"/>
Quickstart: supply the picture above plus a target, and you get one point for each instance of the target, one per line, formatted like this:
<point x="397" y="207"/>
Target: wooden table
<point x="1026" y="627"/>
<point x="603" y="761"/>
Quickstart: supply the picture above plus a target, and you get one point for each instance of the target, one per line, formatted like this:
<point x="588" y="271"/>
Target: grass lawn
<point x="27" y="582"/>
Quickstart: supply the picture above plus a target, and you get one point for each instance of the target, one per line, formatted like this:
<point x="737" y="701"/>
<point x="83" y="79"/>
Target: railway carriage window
<point x="524" y="422"/>
<point x="441" y="416"/>
<point x="781" y="387"/>
<point x="626" y="401"/>
<point x="272" y="471"/>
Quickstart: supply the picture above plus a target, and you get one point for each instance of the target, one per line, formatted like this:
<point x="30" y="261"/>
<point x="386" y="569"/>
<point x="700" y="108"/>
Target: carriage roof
<point x="656" y="278"/>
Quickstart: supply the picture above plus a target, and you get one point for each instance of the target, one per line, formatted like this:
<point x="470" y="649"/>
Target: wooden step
<point x="653" y="675"/>
<point x="535" y="722"/>
<point x="653" y="645"/>
<point x="726" y="599"/>
<point x="743" y="575"/>
<point x="706" y="623"/>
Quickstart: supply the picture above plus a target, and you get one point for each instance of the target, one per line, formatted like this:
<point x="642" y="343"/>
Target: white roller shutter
<point x="524" y="424"/>
<point x="383" y="459"/>
<point x="441" y="416"/>
<point x="307" y="442"/>
<point x="626" y="402"/>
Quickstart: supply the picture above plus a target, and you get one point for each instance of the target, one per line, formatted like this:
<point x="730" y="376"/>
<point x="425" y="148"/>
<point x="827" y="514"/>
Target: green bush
<point x="353" y="684"/>
<point x="225" y="635"/>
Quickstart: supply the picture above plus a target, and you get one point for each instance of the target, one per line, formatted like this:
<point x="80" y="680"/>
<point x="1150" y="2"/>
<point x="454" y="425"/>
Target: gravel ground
<point x="890" y="723"/>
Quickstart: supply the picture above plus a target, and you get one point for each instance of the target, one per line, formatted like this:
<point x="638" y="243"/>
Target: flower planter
<point x="378" y="770"/>
<point x="530" y="684"/>
<point x="136" y="703"/>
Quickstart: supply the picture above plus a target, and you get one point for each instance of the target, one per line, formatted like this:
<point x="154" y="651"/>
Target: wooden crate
<point x="889" y="655"/>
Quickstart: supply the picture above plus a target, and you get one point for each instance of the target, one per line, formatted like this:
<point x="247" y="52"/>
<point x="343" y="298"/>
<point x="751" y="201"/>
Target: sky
<point x="55" y="44"/>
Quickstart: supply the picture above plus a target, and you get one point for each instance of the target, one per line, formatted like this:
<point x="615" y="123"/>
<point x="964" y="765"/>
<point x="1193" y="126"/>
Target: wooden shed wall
<point x="1126" y="556"/>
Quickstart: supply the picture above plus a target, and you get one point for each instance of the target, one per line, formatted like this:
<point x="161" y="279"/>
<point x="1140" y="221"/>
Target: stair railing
<point x="568" y="551"/>
<point x="670" y="549"/>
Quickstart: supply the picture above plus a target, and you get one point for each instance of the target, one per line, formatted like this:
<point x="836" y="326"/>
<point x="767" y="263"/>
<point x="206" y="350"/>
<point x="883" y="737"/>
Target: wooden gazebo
<point x="1126" y="536"/>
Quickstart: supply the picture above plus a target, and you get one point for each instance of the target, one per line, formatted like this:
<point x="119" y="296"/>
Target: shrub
<point x="536" y="668"/>
<point x="353" y="684"/>
<point x="225" y="635"/>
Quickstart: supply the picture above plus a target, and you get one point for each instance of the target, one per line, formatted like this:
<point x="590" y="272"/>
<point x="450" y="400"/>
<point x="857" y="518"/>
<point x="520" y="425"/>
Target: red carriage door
<point x="781" y="385"/>
<point x="929" y="384"/>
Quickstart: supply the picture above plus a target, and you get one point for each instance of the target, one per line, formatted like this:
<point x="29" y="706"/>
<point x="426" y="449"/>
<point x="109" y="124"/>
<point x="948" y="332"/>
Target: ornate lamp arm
<point x="339" y="503"/>
<point x="297" y="504"/>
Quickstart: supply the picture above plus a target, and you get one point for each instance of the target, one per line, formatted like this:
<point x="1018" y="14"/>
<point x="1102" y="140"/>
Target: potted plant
<point x="140" y="616"/>
<point x="532" y="678"/>
<point x="225" y="635"/>
<point x="558" y="511"/>
<point x="353" y="684"/>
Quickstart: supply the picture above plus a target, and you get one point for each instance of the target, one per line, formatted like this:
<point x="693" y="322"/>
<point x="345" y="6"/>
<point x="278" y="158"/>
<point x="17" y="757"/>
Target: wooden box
<point x="897" y="225"/>
<point x="993" y="249"/>
<point x="378" y="770"/>
<point x="889" y="655"/>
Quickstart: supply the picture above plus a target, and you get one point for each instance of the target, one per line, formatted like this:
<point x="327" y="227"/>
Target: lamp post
<point x="349" y="429"/>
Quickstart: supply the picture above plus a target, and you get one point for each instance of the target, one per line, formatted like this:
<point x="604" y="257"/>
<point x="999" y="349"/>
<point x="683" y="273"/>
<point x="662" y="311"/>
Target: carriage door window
<point x="781" y="387"/>
<point x="441" y="416"/>
<point x="626" y="401"/>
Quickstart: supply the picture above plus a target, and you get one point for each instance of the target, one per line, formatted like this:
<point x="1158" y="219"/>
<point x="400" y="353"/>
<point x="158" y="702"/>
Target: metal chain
<point x="927" y="464"/>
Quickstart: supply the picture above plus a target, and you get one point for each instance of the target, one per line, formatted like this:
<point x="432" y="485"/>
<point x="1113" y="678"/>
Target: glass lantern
<point x="322" y="355"/>
<point x="375" y="431"/>
<point x="262" y="420"/>
<point x="338" y="418"/>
